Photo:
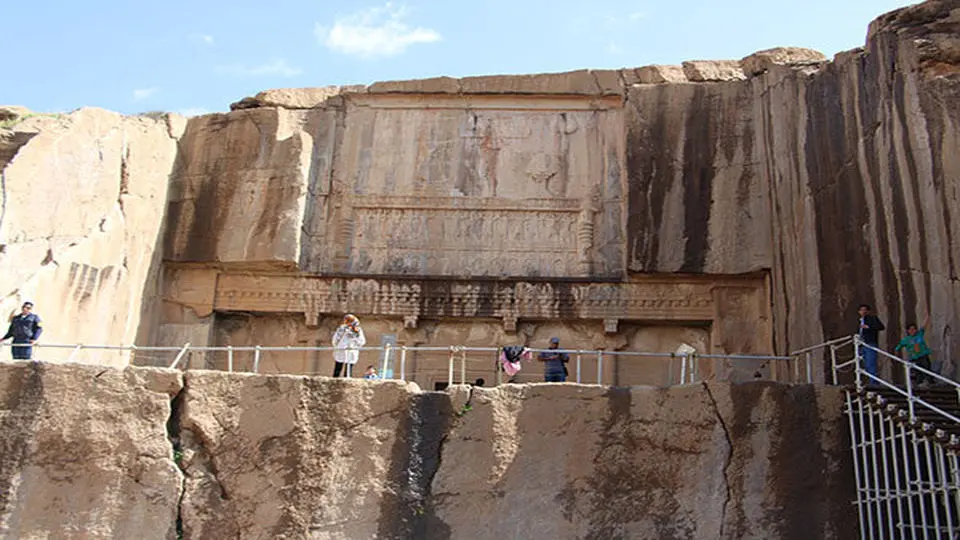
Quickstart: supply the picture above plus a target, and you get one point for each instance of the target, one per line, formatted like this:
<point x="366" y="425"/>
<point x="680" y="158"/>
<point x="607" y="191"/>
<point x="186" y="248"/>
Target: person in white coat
<point x="346" y="341"/>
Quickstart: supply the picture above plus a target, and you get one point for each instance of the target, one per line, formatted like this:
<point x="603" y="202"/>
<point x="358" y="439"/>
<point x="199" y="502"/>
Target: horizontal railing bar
<point x="901" y="361"/>
<point x="822" y="345"/>
<point x="449" y="348"/>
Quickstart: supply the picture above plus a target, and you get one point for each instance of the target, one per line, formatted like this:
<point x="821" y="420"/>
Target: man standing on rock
<point x="554" y="363"/>
<point x="25" y="329"/>
<point x="869" y="331"/>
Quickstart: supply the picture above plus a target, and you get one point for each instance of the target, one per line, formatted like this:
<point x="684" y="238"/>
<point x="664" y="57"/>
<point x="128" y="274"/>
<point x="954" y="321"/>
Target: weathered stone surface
<point x="295" y="457"/>
<point x="581" y="82"/>
<point x="661" y="74"/>
<point x="762" y="61"/>
<point x="856" y="173"/>
<point x="713" y="70"/>
<point x="10" y="113"/>
<point x="239" y="190"/>
<point x="84" y="197"/>
<point x="85" y="454"/>
<point x="435" y="85"/>
<point x="578" y="462"/>
<point x="283" y="456"/>
<point x="533" y="178"/>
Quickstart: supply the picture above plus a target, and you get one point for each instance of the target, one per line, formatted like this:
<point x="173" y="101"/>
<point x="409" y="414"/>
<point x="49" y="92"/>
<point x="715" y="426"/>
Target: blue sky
<point x="200" y="55"/>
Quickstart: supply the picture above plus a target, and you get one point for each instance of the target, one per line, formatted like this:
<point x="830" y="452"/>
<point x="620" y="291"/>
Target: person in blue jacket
<point x="25" y="329"/>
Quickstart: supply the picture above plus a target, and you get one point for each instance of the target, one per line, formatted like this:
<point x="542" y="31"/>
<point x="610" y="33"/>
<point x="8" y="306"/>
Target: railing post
<point x="180" y="355"/>
<point x="403" y="363"/>
<point x="858" y="360"/>
<point x="910" y="396"/>
<point x="386" y="361"/>
<point x="450" y="366"/>
<point x="600" y="367"/>
<point x="74" y="352"/>
<point x="230" y="358"/>
<point x="833" y="364"/>
<point x="809" y="367"/>
<point x="256" y="359"/>
<point x="579" y="360"/>
<point x="683" y="368"/>
<point x="499" y="366"/>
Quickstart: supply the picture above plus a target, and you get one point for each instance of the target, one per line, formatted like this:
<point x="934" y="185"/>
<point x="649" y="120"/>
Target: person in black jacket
<point x="25" y="329"/>
<point x="869" y="330"/>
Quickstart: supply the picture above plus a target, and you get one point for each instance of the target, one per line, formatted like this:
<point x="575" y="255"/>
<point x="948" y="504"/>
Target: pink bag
<point x="512" y="368"/>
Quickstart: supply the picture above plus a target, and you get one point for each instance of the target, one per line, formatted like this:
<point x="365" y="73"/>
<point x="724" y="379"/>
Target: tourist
<point x="371" y="373"/>
<point x="869" y="331"/>
<point x="347" y="341"/>
<point x="25" y="329"/>
<point x="917" y="350"/>
<point x="554" y="369"/>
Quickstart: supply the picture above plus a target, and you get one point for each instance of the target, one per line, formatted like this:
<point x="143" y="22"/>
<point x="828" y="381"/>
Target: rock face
<point x="83" y="205"/>
<point x="518" y="199"/>
<point x="294" y="457"/>
<point x="852" y="162"/>
<point x="84" y="452"/>
<point x="701" y="461"/>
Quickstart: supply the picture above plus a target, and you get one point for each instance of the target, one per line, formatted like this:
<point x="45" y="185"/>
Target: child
<point x="918" y="351"/>
<point x="371" y="373"/>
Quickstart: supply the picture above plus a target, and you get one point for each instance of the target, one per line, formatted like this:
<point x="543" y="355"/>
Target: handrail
<point x="689" y="367"/>
<point x="911" y="365"/>
<point x="823" y="345"/>
<point x="907" y="392"/>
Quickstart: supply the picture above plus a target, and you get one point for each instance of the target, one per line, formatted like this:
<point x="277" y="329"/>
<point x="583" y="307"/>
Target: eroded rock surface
<point x="701" y="461"/>
<point x="84" y="452"/>
<point x="83" y="200"/>
<point x="294" y="457"/>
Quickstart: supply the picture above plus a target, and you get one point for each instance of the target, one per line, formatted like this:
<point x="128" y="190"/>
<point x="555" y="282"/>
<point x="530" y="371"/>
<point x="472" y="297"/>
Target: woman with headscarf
<point x="347" y="341"/>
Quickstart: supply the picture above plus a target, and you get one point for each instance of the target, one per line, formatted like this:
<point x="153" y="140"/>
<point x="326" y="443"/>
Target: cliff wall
<point x="840" y="177"/>
<point x="834" y="181"/>
<point x="83" y="201"/>
<point x="152" y="452"/>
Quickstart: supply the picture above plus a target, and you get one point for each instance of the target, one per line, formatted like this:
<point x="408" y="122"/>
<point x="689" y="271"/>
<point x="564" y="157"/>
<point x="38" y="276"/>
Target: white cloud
<point x="376" y="32"/>
<point x="203" y="38"/>
<point x="193" y="111"/>
<point x="278" y="67"/>
<point x="141" y="94"/>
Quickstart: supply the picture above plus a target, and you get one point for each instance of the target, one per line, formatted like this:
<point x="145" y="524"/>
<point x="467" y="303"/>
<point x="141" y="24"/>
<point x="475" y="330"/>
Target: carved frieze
<point x="507" y="300"/>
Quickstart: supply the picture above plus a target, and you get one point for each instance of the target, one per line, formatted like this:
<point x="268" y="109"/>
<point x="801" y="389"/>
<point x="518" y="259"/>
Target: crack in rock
<point x="173" y="434"/>
<point x="728" y="459"/>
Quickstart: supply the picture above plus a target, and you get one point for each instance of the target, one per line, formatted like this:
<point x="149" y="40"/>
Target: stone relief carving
<point x="508" y="301"/>
<point x="498" y="191"/>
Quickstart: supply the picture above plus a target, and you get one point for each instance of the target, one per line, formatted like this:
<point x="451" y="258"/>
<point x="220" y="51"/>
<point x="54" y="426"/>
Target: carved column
<point x="344" y="237"/>
<point x="586" y="223"/>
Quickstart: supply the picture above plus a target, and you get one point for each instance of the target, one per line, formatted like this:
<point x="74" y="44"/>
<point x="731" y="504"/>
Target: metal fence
<point x="462" y="364"/>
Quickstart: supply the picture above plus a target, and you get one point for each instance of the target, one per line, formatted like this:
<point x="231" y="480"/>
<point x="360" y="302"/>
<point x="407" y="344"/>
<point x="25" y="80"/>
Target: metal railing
<point x="904" y="445"/>
<point x="585" y="366"/>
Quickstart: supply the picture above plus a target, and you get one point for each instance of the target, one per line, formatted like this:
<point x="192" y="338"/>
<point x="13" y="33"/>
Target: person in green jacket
<point x="917" y="349"/>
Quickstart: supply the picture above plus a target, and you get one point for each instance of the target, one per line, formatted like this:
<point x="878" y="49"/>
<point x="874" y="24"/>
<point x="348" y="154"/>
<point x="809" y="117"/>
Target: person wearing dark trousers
<point x="25" y="329"/>
<point x="554" y="368"/>
<point x="869" y="331"/>
<point x="917" y="350"/>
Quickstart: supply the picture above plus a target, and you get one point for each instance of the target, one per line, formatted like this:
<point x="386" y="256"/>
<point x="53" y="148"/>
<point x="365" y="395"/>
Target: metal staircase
<point x="905" y="443"/>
